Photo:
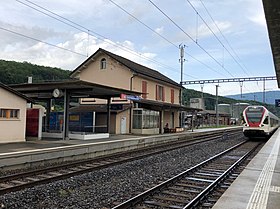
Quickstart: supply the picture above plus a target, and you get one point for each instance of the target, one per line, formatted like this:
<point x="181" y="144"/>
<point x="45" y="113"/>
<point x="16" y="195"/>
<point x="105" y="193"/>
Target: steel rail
<point x="208" y="189"/>
<point x="139" y="198"/>
<point x="98" y="163"/>
<point x="79" y="162"/>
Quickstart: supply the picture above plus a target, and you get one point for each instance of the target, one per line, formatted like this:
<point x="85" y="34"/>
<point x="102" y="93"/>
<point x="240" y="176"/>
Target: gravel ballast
<point x="107" y="187"/>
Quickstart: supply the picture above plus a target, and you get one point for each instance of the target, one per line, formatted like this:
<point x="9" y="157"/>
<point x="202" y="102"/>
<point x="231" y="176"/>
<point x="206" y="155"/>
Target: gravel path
<point x="107" y="187"/>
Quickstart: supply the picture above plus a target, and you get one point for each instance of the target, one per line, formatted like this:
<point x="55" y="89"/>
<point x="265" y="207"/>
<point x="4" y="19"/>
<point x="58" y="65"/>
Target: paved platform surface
<point x="258" y="186"/>
<point x="51" y="143"/>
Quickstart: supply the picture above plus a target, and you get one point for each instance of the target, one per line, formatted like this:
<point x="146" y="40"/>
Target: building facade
<point x="158" y="106"/>
<point x="12" y="115"/>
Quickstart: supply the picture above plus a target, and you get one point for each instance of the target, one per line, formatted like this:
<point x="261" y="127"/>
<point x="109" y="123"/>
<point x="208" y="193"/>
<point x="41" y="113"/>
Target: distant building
<point x="12" y="114"/>
<point x="208" y="118"/>
<point x="237" y="110"/>
<point x="224" y="108"/>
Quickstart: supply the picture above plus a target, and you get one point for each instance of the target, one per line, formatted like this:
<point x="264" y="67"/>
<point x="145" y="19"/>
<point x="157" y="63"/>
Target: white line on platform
<point x="259" y="197"/>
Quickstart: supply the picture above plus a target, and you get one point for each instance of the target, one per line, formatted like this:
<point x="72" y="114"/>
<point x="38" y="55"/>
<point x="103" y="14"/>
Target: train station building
<point x="157" y="107"/>
<point x="108" y="94"/>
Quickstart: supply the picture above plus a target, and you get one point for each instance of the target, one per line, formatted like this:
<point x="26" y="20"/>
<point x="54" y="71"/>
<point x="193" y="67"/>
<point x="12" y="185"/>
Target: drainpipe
<point x="130" y="110"/>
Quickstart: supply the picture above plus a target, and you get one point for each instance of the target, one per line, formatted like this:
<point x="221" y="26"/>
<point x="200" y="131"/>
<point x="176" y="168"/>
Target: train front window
<point x="254" y="117"/>
<point x="254" y="114"/>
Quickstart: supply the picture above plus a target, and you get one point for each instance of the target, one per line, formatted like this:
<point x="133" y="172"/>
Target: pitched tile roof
<point x="137" y="68"/>
<point x="15" y="92"/>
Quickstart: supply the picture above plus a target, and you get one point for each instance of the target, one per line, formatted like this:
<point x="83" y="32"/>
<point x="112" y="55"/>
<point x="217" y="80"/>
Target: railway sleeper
<point x="55" y="174"/>
<point x="17" y="182"/>
<point x="160" y="204"/>
<point x="208" y="174"/>
<point x="224" y="186"/>
<point x="67" y="171"/>
<point x="169" y="199"/>
<point x="190" y="185"/>
<point x="74" y="169"/>
<point x="143" y="207"/>
<point x="43" y="176"/>
<point x="207" y="205"/>
<point x="195" y="183"/>
<point x="219" y="167"/>
<point x="187" y="196"/>
<point x="208" y="177"/>
<point x="213" y="171"/>
<point x="184" y="190"/>
<point x="5" y="186"/>
<point x="84" y="167"/>
<point x="199" y="179"/>
<point x="32" y="179"/>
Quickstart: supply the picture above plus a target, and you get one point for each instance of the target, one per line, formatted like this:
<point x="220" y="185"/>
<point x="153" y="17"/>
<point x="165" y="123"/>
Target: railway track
<point x="200" y="183"/>
<point x="19" y="181"/>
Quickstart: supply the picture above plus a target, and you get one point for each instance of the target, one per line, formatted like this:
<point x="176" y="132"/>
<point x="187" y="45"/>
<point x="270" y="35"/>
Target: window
<point x="9" y="113"/>
<point x="103" y="63"/>
<point x="172" y="96"/>
<point x="144" y="89"/>
<point x="160" y="93"/>
<point x="145" y="119"/>
<point x="137" y="119"/>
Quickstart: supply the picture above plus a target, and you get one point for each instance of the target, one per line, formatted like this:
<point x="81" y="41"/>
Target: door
<point x="32" y="123"/>
<point x="172" y="120"/>
<point x="123" y="125"/>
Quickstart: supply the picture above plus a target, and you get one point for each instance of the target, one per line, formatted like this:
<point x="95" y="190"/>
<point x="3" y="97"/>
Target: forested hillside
<point x="12" y="72"/>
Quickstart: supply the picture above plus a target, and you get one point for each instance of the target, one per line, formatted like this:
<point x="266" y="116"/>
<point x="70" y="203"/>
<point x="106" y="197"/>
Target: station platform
<point x="56" y="143"/>
<point x="41" y="152"/>
<point x="258" y="186"/>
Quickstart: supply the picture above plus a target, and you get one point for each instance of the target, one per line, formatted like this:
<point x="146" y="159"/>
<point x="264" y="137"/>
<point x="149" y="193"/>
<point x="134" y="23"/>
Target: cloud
<point x="239" y="21"/>
<point x="159" y="30"/>
<point x="203" y="31"/>
<point x="258" y="19"/>
<point x="12" y="35"/>
<point x="81" y="45"/>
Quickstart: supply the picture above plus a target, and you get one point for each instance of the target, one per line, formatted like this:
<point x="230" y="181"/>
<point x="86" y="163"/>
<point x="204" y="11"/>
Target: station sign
<point x="277" y="102"/>
<point x="133" y="98"/>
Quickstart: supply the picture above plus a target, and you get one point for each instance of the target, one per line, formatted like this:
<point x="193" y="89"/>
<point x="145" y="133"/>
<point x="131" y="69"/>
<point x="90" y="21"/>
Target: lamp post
<point x="217" y="113"/>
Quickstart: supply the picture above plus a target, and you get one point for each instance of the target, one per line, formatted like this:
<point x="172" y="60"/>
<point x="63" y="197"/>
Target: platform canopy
<point x="157" y="105"/>
<point x="76" y="88"/>
<point x="272" y="14"/>
<point x="70" y="89"/>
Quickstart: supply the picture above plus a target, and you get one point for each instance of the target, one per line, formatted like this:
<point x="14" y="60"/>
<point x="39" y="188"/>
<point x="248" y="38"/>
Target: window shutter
<point x="156" y="92"/>
<point x="163" y="94"/>
<point x="172" y="96"/>
<point x="144" y="89"/>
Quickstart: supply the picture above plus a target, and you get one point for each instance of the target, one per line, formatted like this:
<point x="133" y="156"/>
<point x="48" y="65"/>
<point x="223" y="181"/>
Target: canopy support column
<point x="66" y="115"/>
<point x="108" y="114"/>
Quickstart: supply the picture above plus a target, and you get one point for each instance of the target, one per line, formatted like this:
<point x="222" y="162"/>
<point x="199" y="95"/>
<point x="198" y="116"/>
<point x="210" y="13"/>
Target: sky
<point x="221" y="39"/>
